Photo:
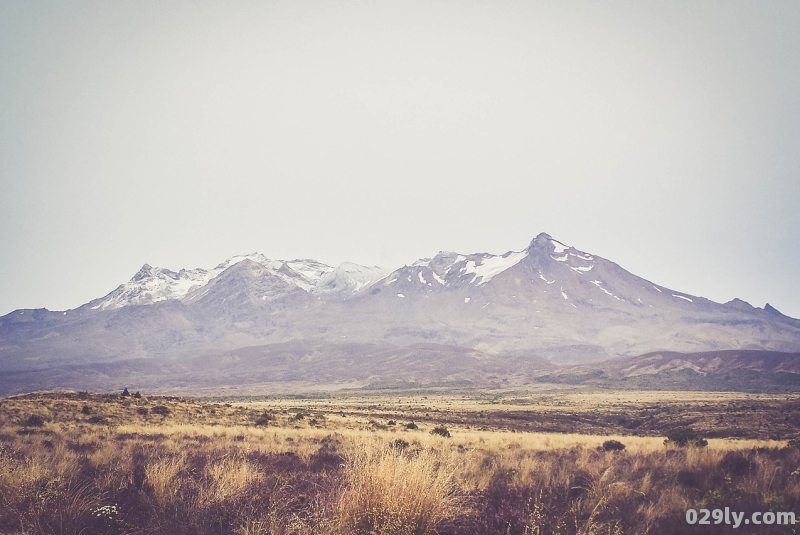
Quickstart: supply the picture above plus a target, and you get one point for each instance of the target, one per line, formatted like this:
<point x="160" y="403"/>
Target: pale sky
<point x="663" y="136"/>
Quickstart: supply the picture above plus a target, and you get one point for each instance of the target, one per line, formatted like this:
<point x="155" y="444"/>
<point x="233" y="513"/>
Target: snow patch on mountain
<point x="488" y="267"/>
<point x="599" y="283"/>
<point x="558" y="247"/>
<point x="154" y="284"/>
<point x="458" y="260"/>
<point x="348" y="279"/>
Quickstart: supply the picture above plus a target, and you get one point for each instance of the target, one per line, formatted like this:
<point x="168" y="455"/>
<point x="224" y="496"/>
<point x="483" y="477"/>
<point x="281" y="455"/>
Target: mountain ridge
<point x="549" y="302"/>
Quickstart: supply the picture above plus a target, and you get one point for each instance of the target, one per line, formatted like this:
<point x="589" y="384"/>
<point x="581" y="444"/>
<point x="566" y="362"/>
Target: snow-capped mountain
<point x="546" y="303"/>
<point x="347" y="280"/>
<point x="154" y="284"/>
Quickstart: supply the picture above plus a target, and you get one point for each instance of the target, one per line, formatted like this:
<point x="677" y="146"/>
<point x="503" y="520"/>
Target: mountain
<point x="513" y="315"/>
<point x="151" y="285"/>
<point x="731" y="370"/>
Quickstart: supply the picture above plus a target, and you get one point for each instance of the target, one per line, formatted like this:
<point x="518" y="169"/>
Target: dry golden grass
<point x="231" y="476"/>
<point x="391" y="491"/>
<point x="161" y="475"/>
<point x="206" y="468"/>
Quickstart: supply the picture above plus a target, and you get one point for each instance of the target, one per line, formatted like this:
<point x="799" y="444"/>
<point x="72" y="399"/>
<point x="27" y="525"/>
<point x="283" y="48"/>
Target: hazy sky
<point x="664" y="136"/>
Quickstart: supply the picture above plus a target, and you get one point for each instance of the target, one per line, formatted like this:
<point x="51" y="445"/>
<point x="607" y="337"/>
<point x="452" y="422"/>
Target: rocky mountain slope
<point x="546" y="304"/>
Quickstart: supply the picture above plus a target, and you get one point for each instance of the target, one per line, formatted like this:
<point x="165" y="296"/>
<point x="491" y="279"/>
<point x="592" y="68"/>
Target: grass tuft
<point x="389" y="492"/>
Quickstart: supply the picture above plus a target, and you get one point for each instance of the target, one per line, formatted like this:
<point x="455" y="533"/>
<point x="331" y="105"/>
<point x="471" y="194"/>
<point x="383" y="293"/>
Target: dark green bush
<point x="441" y="431"/>
<point x="613" y="445"/>
<point x="264" y="419"/>
<point x="685" y="436"/>
<point x="160" y="409"/>
<point x="377" y="425"/>
<point x="33" y="421"/>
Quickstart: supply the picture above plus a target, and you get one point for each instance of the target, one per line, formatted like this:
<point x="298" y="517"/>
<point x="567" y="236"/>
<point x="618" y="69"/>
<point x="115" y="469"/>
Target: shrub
<point x="33" y="421"/>
<point x="399" y="444"/>
<point x="685" y="436"/>
<point x="160" y="409"/>
<point x="411" y="425"/>
<point x="142" y="410"/>
<point x="137" y="395"/>
<point x="377" y="425"/>
<point x="125" y="393"/>
<point x="736" y="463"/>
<point x="441" y="431"/>
<point x="86" y="410"/>
<point x="689" y="478"/>
<point x="263" y="419"/>
<point x="613" y="445"/>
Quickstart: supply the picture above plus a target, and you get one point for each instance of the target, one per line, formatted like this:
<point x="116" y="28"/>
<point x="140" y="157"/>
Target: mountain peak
<point x="772" y="310"/>
<point x="246" y="265"/>
<point x="739" y="304"/>
<point x="145" y="272"/>
<point x="546" y="243"/>
<point x="347" y="279"/>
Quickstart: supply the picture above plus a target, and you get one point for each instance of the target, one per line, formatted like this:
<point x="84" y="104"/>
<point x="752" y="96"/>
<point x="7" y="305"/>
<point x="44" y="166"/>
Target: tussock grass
<point x="161" y="475"/>
<point x="209" y="468"/>
<point x="391" y="491"/>
<point x="231" y="476"/>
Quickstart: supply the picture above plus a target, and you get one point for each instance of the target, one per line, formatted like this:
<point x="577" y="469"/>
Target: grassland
<point x="393" y="462"/>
